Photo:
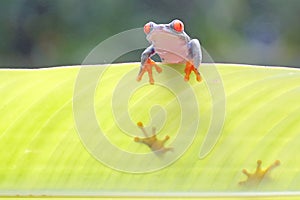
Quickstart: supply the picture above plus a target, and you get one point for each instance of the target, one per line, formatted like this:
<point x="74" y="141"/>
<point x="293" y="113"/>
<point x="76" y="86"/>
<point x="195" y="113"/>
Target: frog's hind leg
<point x="254" y="179"/>
<point x="194" y="60"/>
<point x="165" y="149"/>
<point x="258" y="167"/>
<point x="274" y="165"/>
<point x="147" y="63"/>
<point x="166" y="139"/>
<point x="141" y="126"/>
<point x="162" y="141"/>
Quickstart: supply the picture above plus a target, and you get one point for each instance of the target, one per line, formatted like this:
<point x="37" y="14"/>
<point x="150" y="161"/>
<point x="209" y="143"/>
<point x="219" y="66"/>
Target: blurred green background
<point x="40" y="33"/>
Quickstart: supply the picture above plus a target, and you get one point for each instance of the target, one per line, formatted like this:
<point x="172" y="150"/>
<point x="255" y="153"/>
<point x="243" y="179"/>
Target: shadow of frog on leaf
<point x="254" y="179"/>
<point x="156" y="145"/>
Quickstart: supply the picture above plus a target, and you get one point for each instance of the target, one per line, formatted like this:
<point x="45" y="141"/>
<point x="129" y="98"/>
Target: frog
<point x="172" y="45"/>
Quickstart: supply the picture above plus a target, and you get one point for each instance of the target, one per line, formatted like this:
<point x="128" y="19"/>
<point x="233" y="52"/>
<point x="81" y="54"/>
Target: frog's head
<point x="176" y="27"/>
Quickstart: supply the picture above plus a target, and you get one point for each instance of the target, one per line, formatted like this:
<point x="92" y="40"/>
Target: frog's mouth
<point x="163" y="36"/>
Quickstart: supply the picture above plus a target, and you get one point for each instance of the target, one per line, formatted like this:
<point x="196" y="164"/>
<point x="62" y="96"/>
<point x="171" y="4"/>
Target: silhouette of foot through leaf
<point x="156" y="145"/>
<point x="253" y="179"/>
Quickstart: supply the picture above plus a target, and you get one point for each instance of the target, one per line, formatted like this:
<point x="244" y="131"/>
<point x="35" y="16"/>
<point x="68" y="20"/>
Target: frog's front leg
<point x="147" y="63"/>
<point x="194" y="60"/>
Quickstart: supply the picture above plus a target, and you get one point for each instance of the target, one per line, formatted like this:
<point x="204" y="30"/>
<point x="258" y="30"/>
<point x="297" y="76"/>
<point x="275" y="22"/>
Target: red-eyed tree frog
<point x="172" y="45"/>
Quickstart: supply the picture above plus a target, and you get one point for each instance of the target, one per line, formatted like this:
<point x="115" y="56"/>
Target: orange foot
<point x="189" y="67"/>
<point x="148" y="68"/>
<point x="256" y="177"/>
<point x="156" y="145"/>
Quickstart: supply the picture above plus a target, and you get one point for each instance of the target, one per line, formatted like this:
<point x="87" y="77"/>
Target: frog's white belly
<point x="170" y="48"/>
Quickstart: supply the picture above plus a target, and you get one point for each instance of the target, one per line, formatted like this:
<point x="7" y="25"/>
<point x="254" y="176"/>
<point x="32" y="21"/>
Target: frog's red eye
<point x="148" y="27"/>
<point x="178" y="25"/>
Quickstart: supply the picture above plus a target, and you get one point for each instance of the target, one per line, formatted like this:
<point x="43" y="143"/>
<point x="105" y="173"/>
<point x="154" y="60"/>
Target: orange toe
<point x="140" y="124"/>
<point x="199" y="79"/>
